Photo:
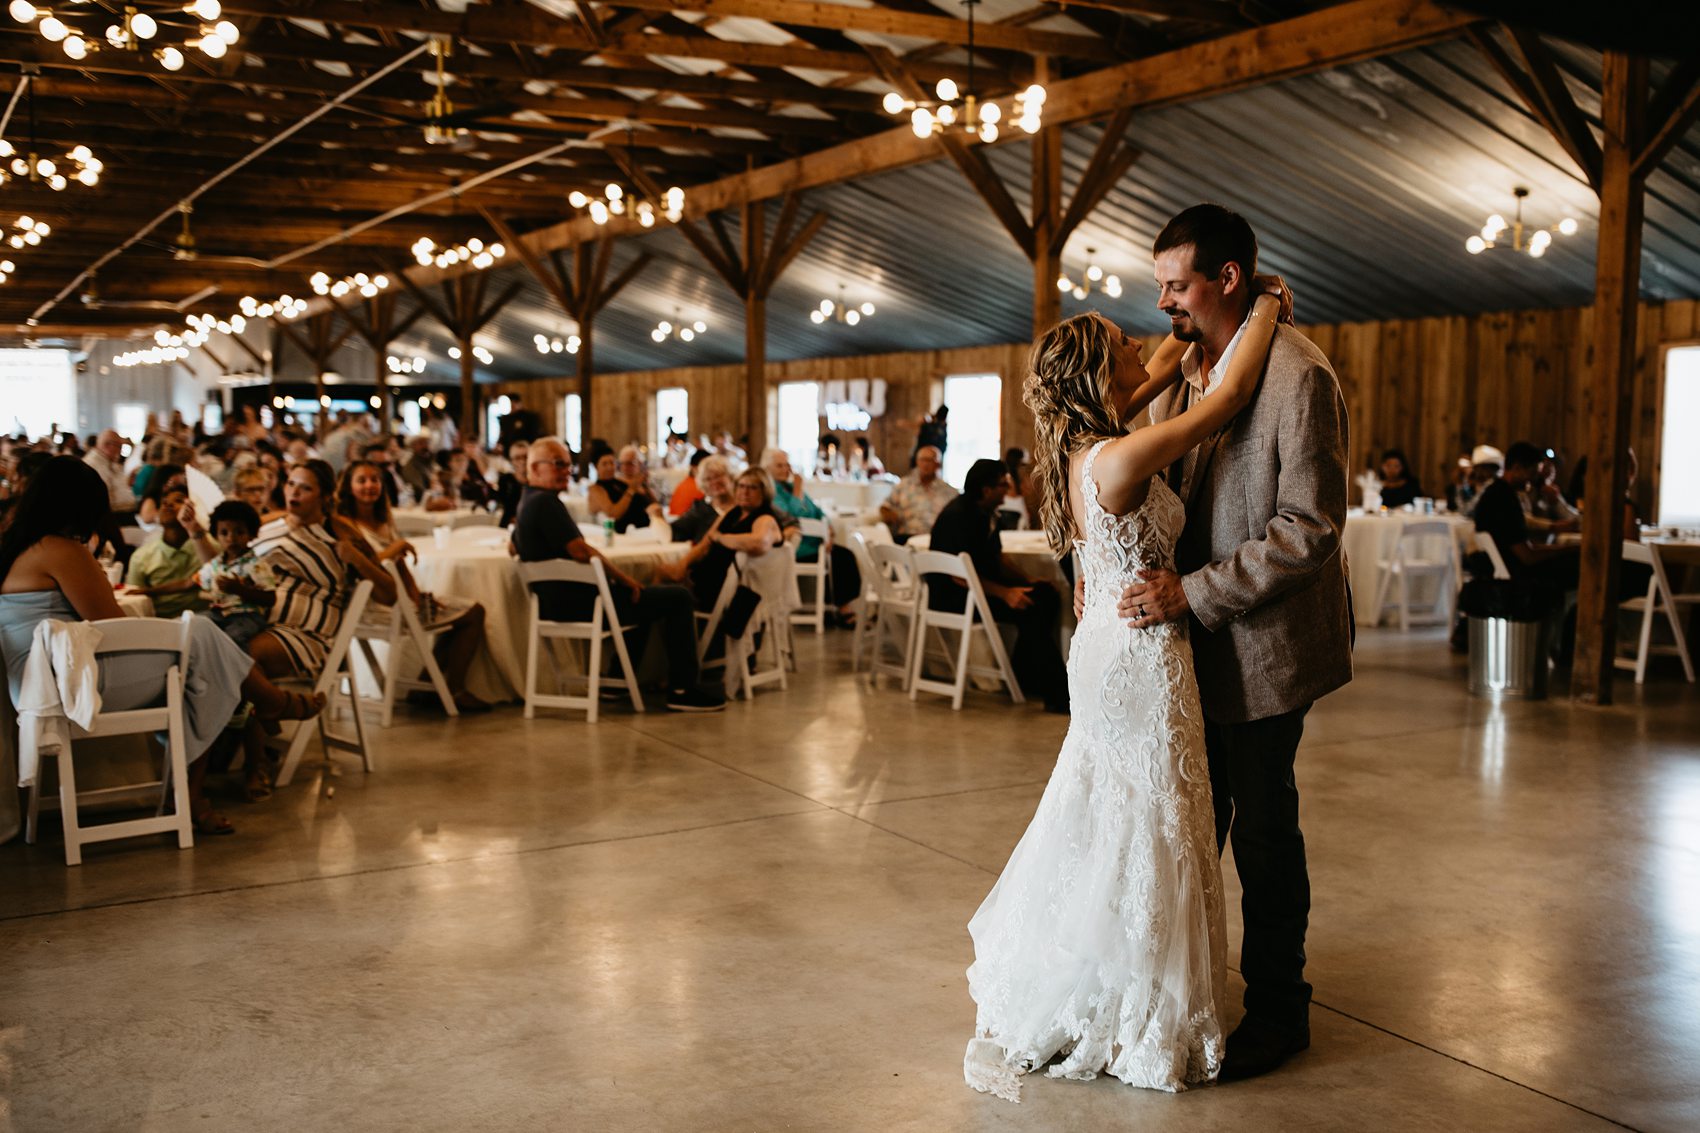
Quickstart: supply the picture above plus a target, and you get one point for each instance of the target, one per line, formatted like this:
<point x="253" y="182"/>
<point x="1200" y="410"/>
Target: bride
<point x="1103" y="940"/>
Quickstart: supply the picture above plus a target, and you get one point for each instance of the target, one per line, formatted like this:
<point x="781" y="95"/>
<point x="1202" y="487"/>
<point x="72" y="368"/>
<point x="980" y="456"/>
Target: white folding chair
<point x="603" y="623"/>
<point x="976" y="614"/>
<point x="1660" y="599"/>
<point x="1486" y="545"/>
<point x="893" y="578"/>
<point x="867" y="602"/>
<point x="818" y="572"/>
<point x="773" y="577"/>
<point x="401" y="631"/>
<point x="130" y="635"/>
<point x="1422" y="553"/>
<point x="414" y="526"/>
<point x="476" y="518"/>
<point x="134" y="536"/>
<point x="334" y="679"/>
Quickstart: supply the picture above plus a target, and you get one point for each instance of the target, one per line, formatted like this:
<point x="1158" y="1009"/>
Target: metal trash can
<point x="1509" y="659"/>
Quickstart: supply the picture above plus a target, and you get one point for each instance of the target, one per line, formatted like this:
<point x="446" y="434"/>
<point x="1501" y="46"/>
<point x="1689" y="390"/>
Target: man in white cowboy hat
<point x="1486" y="462"/>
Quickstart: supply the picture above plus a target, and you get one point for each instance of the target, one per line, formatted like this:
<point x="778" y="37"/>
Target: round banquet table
<point x="1369" y="539"/>
<point x="848" y="495"/>
<point x="476" y="567"/>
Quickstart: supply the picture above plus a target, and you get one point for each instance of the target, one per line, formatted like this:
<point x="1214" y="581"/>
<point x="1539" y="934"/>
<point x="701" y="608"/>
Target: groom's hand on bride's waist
<point x="1157" y="598"/>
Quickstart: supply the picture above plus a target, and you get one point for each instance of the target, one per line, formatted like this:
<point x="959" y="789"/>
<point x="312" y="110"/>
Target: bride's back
<point x="1113" y="548"/>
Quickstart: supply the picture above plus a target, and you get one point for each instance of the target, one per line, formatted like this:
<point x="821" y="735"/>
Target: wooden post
<point x="468" y="393"/>
<point x="1607" y="400"/>
<point x="1045" y="254"/>
<point x="755" y="329"/>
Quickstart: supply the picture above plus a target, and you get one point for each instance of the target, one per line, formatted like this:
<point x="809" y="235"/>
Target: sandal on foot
<point x="212" y="823"/>
<point x="258" y="788"/>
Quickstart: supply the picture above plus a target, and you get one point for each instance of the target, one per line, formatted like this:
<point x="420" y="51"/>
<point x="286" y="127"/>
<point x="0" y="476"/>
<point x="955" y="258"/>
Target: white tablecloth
<point x="1369" y="539"/>
<point x="854" y="496"/>
<point x="476" y="567"/>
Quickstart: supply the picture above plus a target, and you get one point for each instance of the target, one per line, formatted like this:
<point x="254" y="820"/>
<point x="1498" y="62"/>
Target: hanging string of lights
<point x="134" y="30"/>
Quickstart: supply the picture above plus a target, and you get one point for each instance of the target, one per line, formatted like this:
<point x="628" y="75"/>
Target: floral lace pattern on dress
<point x="1102" y="945"/>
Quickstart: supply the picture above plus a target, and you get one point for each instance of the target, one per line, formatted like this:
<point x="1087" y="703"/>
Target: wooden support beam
<point x="974" y="166"/>
<point x="1044" y="252"/>
<point x="1608" y="399"/>
<point x="1557" y="103"/>
<point x="1110" y="160"/>
<point x="1672" y="112"/>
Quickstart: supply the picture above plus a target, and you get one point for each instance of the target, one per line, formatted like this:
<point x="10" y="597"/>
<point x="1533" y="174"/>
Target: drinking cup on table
<point x="442" y="533"/>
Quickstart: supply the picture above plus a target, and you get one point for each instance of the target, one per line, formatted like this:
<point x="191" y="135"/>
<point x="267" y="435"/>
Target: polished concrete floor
<point x="755" y="921"/>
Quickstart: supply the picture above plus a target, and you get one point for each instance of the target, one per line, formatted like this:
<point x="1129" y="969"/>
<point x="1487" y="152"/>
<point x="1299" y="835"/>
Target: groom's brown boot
<point x="1257" y="1047"/>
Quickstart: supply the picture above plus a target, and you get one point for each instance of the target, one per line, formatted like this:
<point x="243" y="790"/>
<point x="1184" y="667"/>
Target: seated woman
<point x="456" y="484"/>
<point x="749" y="526"/>
<point x="1398" y="484"/>
<point x="167" y="568"/>
<point x="48" y="572"/>
<point x="623" y="493"/>
<point x="362" y="501"/>
<point x="510" y="485"/>
<point x="790" y="499"/>
<point x="312" y="556"/>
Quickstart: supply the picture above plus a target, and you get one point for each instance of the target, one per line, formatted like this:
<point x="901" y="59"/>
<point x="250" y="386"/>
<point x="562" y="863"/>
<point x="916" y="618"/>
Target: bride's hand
<point x="1266" y="284"/>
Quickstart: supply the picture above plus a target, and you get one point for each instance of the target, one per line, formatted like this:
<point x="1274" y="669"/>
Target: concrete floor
<point x="756" y="921"/>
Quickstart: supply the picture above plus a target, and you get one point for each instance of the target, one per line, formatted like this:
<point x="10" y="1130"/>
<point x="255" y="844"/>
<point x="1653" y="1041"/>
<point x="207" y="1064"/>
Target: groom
<point x="1262" y="577"/>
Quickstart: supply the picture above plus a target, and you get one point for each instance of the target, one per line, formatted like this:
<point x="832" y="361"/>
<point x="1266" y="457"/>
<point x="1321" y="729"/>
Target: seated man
<point x="167" y="567"/>
<point x="544" y="530"/>
<point x="918" y="498"/>
<point x="969" y="523"/>
<point x="790" y="500"/>
<point x="1499" y="513"/>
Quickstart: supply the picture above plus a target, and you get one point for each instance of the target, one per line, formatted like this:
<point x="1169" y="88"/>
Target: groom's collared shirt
<point x="1205" y="384"/>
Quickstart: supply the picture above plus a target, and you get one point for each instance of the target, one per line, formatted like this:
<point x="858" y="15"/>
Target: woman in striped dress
<point x="316" y="558"/>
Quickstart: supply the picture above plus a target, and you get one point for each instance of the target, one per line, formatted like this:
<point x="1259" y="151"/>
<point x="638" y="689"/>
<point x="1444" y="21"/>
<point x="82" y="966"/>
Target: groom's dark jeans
<point x="1257" y="807"/>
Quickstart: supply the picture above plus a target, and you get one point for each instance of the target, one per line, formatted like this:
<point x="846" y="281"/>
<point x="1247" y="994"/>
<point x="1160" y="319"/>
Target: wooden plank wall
<point x="1435" y="387"/>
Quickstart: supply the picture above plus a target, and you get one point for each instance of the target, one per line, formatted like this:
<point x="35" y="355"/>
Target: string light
<point x="474" y="251"/>
<point x="135" y="30"/>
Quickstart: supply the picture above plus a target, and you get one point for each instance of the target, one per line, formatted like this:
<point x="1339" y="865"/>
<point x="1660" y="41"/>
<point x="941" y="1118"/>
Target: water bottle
<point x="607" y="532"/>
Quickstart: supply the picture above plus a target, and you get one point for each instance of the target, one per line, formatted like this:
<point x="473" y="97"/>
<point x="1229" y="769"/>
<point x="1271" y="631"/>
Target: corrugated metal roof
<point x="1362" y="184"/>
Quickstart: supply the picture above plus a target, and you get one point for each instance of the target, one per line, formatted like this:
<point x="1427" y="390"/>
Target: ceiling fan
<point x="90" y="297"/>
<point x="442" y="124"/>
<point x="185" y="249"/>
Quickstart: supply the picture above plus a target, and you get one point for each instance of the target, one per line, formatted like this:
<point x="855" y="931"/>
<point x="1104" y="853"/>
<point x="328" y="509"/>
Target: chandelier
<point x="288" y="306"/>
<point x="7" y="267"/>
<point x="135" y="30"/>
<point x="152" y="356"/>
<point x="546" y="345"/>
<point x="840" y="312"/>
<point x="27" y="231"/>
<point x="474" y="251"/>
<point x="367" y="285"/>
<point x="1092" y="276"/>
<point x="683" y="332"/>
<point x="965" y="110"/>
<point x="413" y="365"/>
<point x="616" y="201"/>
<point x="84" y="167"/>
<point x="1493" y="232"/>
<point x="478" y="352"/>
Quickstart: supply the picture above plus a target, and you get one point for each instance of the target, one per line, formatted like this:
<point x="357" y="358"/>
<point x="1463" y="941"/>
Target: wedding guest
<point x="915" y="502"/>
<point x="623" y="493"/>
<point x="714" y="498"/>
<point x="545" y="530"/>
<point x="863" y="460"/>
<point x="240" y="585"/>
<point x="166" y="568"/>
<point x="510" y="486"/>
<point x="360" y="500"/>
<point x="751" y="527"/>
<point x="1499" y="513"/>
<point x="253" y="486"/>
<point x="520" y="425"/>
<point x="314" y="558"/>
<point x="790" y="499"/>
<point x="1485" y="463"/>
<point x="380" y="454"/>
<point x="47" y="571"/>
<point x="688" y="491"/>
<point x="106" y="457"/>
<point x="969" y="523"/>
<point x="1019" y="466"/>
<point x="1544" y="506"/>
<point x="416" y="470"/>
<point x="1399" y="485"/>
<point x="456" y="485"/>
<point x="933" y="432"/>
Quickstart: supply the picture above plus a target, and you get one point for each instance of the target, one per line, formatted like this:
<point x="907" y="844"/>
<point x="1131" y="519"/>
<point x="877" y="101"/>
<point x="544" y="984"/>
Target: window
<point x="1679" y="457"/>
<point x="130" y="418"/>
<point x="572" y="422"/>
<point x="410" y="415"/>
<point x="37" y="391"/>
<point x="798" y="428"/>
<point x="976" y="423"/>
<point x="493" y="413"/>
<point x="672" y="414"/>
<point x="212" y="418"/>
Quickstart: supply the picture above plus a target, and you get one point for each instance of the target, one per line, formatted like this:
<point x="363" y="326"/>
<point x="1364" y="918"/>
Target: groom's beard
<point x="1183" y="328"/>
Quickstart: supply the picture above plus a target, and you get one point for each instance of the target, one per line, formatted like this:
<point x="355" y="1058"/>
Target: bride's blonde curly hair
<point x="1068" y="388"/>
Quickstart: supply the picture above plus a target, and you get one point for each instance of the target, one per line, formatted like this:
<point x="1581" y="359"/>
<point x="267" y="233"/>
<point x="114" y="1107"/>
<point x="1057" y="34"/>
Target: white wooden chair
<point x="773" y="577"/>
<point x="335" y="679"/>
<point x="1486" y="545"/>
<point x="813" y="612"/>
<point x="402" y="633"/>
<point x="976" y="615"/>
<point x="603" y="624"/>
<point x="1660" y="599"/>
<point x="1422" y="553"/>
<point x="895" y="626"/>
<point x="130" y="635"/>
<point x="868" y="601"/>
<point x="415" y="526"/>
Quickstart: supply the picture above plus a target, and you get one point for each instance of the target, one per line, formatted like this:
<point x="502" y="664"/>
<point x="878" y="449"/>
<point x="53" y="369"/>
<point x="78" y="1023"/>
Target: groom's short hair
<point x="1218" y="235"/>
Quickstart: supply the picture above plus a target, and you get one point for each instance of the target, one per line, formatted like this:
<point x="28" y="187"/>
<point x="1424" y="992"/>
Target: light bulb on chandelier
<point x="684" y="332"/>
<point x="964" y="109"/>
<point x="838" y="311"/>
<point x="1535" y="242"/>
<point x="204" y="29"/>
<point x="1092" y="278"/>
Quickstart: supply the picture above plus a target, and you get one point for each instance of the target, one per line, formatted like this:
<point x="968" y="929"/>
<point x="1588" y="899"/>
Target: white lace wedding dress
<point x="1103" y="940"/>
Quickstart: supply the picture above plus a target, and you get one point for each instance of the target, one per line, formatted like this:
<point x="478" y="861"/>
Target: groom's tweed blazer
<point x="1261" y="556"/>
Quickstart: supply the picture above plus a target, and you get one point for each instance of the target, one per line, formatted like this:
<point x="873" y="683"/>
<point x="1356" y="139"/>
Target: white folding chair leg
<point x="68" y="808"/>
